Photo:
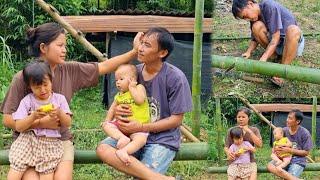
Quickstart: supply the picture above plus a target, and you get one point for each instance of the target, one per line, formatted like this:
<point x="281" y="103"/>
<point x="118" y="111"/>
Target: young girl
<point x="134" y="95"/>
<point x="281" y="160"/>
<point x="36" y="147"/>
<point x="240" y="167"/>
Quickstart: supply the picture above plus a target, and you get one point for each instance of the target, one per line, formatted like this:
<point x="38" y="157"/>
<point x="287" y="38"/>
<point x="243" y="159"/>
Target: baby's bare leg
<point x="138" y="141"/>
<point x="285" y="162"/>
<point x="276" y="158"/>
<point x="112" y="131"/>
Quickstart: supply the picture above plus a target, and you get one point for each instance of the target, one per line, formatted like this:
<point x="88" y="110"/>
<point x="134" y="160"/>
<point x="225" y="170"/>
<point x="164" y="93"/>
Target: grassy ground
<point x="88" y="113"/>
<point x="307" y="13"/>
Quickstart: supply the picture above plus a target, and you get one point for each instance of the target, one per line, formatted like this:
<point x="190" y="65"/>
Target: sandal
<point x="277" y="81"/>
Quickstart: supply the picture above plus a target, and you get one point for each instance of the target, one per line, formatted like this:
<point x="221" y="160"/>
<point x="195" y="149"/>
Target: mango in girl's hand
<point x="46" y="108"/>
<point x="241" y="151"/>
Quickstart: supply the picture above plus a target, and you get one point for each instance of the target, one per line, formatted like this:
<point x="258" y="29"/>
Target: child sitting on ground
<point x="37" y="147"/>
<point x="240" y="167"/>
<point x="281" y="160"/>
<point x="135" y="95"/>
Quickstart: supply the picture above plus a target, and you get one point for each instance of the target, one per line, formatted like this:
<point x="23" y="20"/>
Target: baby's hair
<point x="236" y="133"/>
<point x="278" y="129"/>
<point x="35" y="72"/>
<point x="133" y="70"/>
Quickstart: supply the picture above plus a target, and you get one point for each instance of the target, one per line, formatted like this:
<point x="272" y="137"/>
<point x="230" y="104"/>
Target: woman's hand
<point x="231" y="155"/>
<point x="122" y="111"/>
<point x="137" y="41"/>
<point x="246" y="129"/>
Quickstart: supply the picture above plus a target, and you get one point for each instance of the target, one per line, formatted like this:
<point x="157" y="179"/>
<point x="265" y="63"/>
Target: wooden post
<point x="107" y="44"/>
<point x="219" y="130"/>
<point x="78" y="35"/>
<point x="314" y="126"/>
<point x="196" y="68"/>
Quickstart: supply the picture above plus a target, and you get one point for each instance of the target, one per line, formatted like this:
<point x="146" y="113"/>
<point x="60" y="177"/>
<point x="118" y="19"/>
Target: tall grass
<point x="6" y="67"/>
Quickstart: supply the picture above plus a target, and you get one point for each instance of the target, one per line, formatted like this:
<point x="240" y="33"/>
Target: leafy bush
<point x="6" y="67"/>
<point x="16" y="16"/>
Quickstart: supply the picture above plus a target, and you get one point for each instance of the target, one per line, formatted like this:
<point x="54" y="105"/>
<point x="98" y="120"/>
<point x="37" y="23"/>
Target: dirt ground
<point x="225" y="25"/>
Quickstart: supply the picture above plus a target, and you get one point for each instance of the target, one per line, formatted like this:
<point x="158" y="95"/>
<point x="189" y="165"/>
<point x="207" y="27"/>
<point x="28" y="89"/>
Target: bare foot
<point x="123" y="156"/>
<point x="122" y="142"/>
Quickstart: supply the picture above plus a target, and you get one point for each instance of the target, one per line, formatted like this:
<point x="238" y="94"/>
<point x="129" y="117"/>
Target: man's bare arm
<point x="271" y="46"/>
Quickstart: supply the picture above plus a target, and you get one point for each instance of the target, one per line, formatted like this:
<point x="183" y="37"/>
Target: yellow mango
<point x="46" y="108"/>
<point x="241" y="151"/>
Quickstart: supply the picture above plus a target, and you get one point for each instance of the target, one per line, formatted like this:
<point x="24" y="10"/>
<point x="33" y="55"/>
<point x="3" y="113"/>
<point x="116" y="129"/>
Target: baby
<point x="134" y="95"/>
<point x="283" y="159"/>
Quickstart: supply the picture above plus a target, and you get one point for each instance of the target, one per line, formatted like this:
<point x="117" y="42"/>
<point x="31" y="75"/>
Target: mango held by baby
<point x="241" y="151"/>
<point x="46" y="108"/>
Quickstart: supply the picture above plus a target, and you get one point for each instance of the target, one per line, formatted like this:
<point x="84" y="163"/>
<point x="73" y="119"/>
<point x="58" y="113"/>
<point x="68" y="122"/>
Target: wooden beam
<point x="127" y="23"/>
<point x="283" y="107"/>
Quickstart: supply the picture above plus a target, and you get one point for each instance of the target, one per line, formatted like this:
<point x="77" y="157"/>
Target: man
<point x="302" y="144"/>
<point x="169" y="97"/>
<point x="273" y="27"/>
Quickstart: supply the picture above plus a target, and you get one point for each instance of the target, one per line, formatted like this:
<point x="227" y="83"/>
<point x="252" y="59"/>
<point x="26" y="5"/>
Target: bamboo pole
<point x="196" y="68"/>
<point x="304" y="74"/>
<point x="78" y="35"/>
<point x="187" y="151"/>
<point x="184" y="129"/>
<point x="219" y="130"/>
<point x="314" y="126"/>
<point x="263" y="169"/>
<point x="247" y="103"/>
<point x="187" y="127"/>
<point x="188" y="134"/>
<point x="248" y="37"/>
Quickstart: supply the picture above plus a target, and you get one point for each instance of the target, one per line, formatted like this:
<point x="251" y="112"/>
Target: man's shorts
<point x="155" y="156"/>
<point x="280" y="46"/>
<point x="293" y="168"/>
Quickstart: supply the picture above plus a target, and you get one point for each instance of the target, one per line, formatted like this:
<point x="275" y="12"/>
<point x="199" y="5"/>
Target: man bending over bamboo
<point x="273" y="27"/>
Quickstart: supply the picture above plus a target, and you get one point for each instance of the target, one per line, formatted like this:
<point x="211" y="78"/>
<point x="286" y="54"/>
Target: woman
<point x="251" y="134"/>
<point x="48" y="43"/>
